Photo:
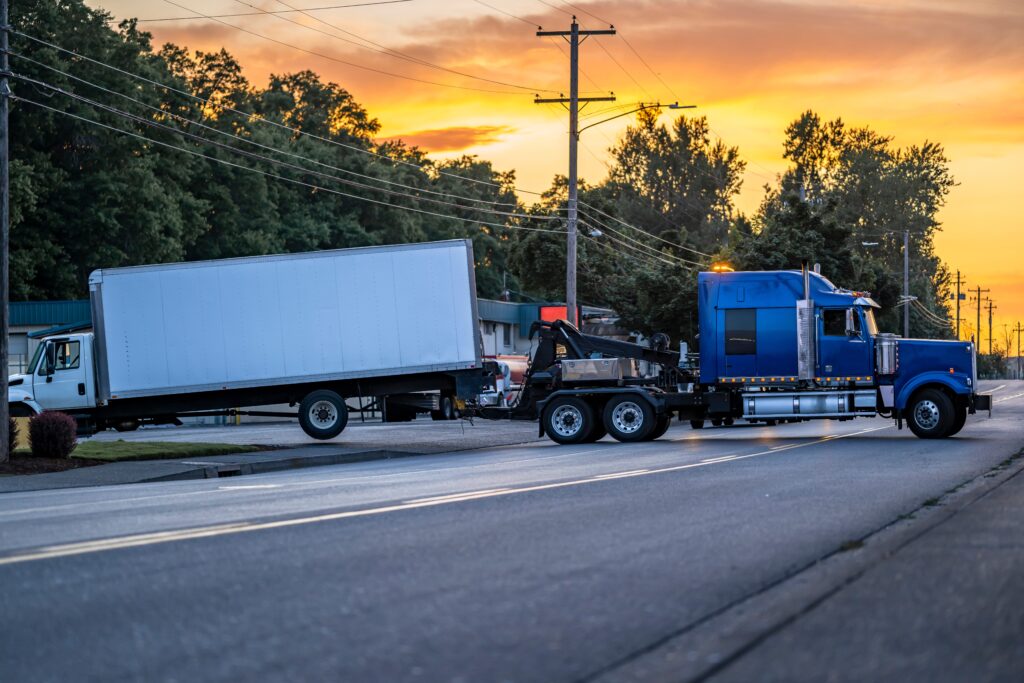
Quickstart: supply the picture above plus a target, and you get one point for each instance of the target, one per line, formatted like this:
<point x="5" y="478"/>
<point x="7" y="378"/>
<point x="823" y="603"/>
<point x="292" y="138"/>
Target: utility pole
<point x="977" y="329"/>
<point x="906" y="284"/>
<point x="959" y="281"/>
<point x="1018" y="331"/>
<point x="990" y="307"/>
<point x="574" y="100"/>
<point x="5" y="213"/>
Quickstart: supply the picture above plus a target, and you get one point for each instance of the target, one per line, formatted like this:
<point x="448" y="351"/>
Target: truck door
<point x="60" y="381"/>
<point x="739" y="342"/>
<point x="843" y="348"/>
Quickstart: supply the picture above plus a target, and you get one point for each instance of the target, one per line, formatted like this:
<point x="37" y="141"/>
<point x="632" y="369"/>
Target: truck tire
<point x="323" y="414"/>
<point x="446" y="409"/>
<point x="597" y="432"/>
<point x="627" y="417"/>
<point x="931" y="414"/>
<point x="716" y="422"/>
<point x="697" y="424"/>
<point x="660" y="427"/>
<point x="568" y="420"/>
<point x="960" y="421"/>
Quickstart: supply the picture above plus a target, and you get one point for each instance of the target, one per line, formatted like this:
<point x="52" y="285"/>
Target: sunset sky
<point x="950" y="71"/>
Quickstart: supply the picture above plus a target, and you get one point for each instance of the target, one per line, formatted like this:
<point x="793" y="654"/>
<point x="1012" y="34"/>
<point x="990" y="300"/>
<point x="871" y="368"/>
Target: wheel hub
<point x="323" y="414"/>
<point x="567" y="421"/>
<point x="926" y="413"/>
<point x="628" y="417"/>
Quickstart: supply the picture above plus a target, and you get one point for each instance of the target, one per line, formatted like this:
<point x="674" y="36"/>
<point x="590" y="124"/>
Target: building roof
<point x="49" y="312"/>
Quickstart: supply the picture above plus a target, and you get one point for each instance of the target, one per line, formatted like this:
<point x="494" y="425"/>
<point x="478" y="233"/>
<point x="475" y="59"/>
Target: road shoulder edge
<point x="706" y="647"/>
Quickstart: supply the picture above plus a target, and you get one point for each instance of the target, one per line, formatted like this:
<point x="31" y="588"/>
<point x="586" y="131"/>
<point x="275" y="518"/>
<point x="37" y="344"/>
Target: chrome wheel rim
<point x="323" y="414"/>
<point x="628" y="417"/>
<point x="566" y="421"/>
<point x="926" y="414"/>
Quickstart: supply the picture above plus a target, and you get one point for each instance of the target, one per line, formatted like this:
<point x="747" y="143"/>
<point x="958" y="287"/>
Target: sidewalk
<point x="948" y="606"/>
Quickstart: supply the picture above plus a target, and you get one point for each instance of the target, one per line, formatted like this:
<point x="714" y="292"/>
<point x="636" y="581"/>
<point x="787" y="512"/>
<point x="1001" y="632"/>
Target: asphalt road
<point x="520" y="563"/>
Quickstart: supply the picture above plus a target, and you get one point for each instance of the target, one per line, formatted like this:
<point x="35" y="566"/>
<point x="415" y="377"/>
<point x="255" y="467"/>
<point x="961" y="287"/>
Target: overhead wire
<point x="260" y="157"/>
<point x="338" y="60"/>
<point x="642" y="231"/>
<point x="287" y="11"/>
<point x="590" y="219"/>
<point x="254" y="143"/>
<point x="383" y="49"/>
<point x="273" y="175"/>
<point x="255" y="118"/>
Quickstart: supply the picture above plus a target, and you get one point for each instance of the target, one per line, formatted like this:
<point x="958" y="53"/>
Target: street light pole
<point x="906" y="284"/>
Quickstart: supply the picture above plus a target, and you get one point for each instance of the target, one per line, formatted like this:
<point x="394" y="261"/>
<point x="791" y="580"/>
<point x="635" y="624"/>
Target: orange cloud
<point x="453" y="139"/>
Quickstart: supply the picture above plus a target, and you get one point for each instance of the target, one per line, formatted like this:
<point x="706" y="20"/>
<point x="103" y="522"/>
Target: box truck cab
<point x="60" y="376"/>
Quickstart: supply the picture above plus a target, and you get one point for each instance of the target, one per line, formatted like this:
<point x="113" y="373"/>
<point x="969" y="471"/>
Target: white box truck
<point x="172" y="340"/>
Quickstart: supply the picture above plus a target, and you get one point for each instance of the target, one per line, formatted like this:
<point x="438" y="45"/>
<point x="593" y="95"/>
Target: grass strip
<point x="120" y="450"/>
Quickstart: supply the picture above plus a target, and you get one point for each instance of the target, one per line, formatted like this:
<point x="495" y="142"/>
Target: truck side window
<point x="67" y="355"/>
<point x="740" y="331"/>
<point x="833" y="322"/>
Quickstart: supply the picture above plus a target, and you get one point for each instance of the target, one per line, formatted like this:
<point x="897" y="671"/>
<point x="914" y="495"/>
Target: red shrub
<point x="52" y="435"/>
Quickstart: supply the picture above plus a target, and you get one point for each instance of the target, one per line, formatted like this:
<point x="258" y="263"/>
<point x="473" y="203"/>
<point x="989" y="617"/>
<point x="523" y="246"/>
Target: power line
<point x="250" y="141"/>
<point x="581" y="9"/>
<point x="287" y="11"/>
<point x="382" y="49"/>
<point x="338" y="60"/>
<point x="259" y="119"/>
<point x="273" y="175"/>
<point x="642" y="244"/>
<point x="259" y="157"/>
<point x="508" y="14"/>
<point x="642" y="255"/>
<point x="645" y="232"/>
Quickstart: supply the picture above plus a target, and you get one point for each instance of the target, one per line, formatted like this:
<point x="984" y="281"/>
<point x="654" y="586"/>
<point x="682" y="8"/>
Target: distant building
<point x="30" y="318"/>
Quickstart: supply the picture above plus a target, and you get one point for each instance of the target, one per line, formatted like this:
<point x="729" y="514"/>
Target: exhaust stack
<point x="805" y="331"/>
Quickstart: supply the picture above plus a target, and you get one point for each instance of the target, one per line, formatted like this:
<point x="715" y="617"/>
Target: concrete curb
<point x="215" y="470"/>
<point x="142" y="471"/>
<point x="706" y="647"/>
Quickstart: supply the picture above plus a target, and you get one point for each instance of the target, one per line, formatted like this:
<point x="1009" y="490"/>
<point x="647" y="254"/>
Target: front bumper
<point x="981" y="402"/>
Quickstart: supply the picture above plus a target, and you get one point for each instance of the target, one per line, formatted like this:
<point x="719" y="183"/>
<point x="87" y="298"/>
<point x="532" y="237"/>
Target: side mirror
<point x="51" y="360"/>
<point x="851" y="323"/>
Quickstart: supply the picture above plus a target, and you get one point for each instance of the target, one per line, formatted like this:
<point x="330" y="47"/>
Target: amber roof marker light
<point x="722" y="267"/>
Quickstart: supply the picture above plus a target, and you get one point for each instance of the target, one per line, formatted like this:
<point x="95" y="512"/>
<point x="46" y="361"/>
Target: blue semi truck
<point x="774" y="346"/>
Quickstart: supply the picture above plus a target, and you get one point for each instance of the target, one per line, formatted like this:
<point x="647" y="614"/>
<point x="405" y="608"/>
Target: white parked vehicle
<point x="309" y="329"/>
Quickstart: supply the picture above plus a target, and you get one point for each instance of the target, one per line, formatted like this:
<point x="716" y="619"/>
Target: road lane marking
<point x="1007" y="398"/>
<point x="456" y="496"/>
<point x="246" y="487"/>
<point x="117" y="543"/>
<point x="616" y="475"/>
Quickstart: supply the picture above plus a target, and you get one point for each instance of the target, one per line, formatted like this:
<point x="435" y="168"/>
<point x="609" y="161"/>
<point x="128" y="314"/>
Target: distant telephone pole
<point x="1018" y="330"/>
<point x="959" y="281"/>
<point x="573" y="38"/>
<point x="977" y="300"/>
<point x="990" y="307"/>
<point x="5" y="213"/>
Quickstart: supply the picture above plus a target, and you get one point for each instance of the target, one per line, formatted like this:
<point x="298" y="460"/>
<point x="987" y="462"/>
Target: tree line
<point x="195" y="162"/>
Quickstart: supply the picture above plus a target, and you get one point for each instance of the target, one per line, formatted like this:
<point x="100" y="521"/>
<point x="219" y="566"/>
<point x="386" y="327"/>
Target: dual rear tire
<point x="626" y="417"/>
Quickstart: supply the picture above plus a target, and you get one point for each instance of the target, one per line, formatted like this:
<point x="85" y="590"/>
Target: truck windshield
<point x="869" y="322"/>
<point x="35" y="358"/>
